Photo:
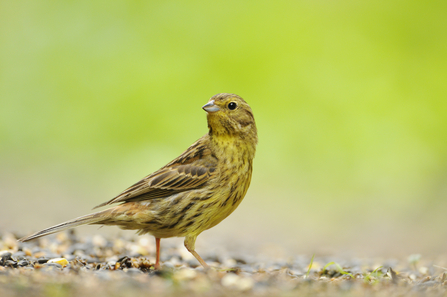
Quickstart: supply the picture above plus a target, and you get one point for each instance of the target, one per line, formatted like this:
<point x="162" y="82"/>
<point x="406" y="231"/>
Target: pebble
<point x="132" y="271"/>
<point x="42" y="260"/>
<point x="185" y="274"/>
<point x="237" y="282"/>
<point x="4" y="253"/>
<point x="23" y="263"/>
<point x="53" y="265"/>
<point x="105" y="266"/>
<point x="103" y="274"/>
<point x="61" y="261"/>
<point x="229" y="263"/>
<point x="10" y="263"/>
<point x="5" y="256"/>
<point x="247" y="268"/>
<point x="167" y="265"/>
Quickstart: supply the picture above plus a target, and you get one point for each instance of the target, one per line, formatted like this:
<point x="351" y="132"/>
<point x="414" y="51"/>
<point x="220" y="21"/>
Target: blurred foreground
<point x="97" y="266"/>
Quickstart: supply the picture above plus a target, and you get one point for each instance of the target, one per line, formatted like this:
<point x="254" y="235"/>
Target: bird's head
<point x="229" y="114"/>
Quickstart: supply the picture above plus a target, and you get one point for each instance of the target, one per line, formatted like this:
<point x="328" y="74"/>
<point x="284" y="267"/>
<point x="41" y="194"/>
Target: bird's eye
<point x="232" y="105"/>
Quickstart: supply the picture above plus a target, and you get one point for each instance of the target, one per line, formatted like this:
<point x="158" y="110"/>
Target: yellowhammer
<point x="194" y="192"/>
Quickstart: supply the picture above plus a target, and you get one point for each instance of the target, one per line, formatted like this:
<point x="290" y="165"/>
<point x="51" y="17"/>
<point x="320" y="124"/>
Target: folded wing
<point x="191" y="170"/>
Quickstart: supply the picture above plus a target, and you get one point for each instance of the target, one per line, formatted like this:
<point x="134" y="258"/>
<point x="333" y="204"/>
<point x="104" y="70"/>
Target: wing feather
<point x="191" y="170"/>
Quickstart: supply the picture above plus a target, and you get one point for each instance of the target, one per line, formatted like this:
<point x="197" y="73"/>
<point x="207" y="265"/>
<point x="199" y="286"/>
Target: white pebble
<point x="61" y="261"/>
<point x="99" y="240"/>
<point x="236" y="282"/>
<point x="186" y="273"/>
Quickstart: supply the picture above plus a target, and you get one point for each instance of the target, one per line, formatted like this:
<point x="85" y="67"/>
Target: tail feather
<point x="84" y="220"/>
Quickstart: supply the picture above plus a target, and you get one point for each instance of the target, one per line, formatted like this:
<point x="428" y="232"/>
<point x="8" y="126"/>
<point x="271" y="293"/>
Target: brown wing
<point x="191" y="170"/>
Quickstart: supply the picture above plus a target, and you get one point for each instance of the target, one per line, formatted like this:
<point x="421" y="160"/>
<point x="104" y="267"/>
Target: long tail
<point x="93" y="218"/>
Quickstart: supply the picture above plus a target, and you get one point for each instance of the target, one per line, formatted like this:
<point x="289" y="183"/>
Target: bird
<point x="192" y="193"/>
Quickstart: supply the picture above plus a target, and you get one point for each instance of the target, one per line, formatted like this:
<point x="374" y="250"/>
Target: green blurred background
<point x="349" y="99"/>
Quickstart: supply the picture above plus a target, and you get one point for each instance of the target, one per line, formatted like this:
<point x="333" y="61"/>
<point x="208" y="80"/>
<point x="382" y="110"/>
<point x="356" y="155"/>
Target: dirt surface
<point x="65" y="265"/>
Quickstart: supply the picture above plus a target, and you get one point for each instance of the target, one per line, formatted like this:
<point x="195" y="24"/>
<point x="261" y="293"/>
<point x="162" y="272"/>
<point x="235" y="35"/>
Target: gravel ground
<point x="65" y="265"/>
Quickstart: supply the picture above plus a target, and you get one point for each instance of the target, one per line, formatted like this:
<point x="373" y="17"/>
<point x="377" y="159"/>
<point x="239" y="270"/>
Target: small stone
<point x="9" y="241"/>
<point x="5" y="256"/>
<point x="168" y="265"/>
<point x="55" y="265"/>
<point x="42" y="260"/>
<point x="111" y="264"/>
<point x="230" y="263"/>
<point x="133" y="271"/>
<point x="23" y="263"/>
<point x="61" y="261"/>
<point x="194" y="263"/>
<point x="5" y="253"/>
<point x="174" y="261"/>
<point x="185" y="274"/>
<point x="50" y="267"/>
<point x="10" y="263"/>
<point x="139" y="250"/>
<point x="28" y="268"/>
<point x="27" y="252"/>
<point x="441" y="278"/>
<point x="234" y="281"/>
<point x="230" y="280"/>
<point x="99" y="241"/>
<point x="103" y="274"/>
<point x="247" y="268"/>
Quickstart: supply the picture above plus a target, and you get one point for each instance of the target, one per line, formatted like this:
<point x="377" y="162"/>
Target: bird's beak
<point x="211" y="107"/>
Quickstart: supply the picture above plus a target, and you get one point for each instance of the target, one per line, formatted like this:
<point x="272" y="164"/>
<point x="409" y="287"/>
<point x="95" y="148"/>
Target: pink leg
<point x="157" y="261"/>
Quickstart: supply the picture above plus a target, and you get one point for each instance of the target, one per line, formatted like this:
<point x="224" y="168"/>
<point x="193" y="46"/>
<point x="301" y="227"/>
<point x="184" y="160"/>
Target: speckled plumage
<point x="195" y="191"/>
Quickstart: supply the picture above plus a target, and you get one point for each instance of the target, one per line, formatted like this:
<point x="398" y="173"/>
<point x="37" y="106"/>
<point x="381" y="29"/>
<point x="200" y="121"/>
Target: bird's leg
<point x="157" y="261"/>
<point x="190" y="242"/>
